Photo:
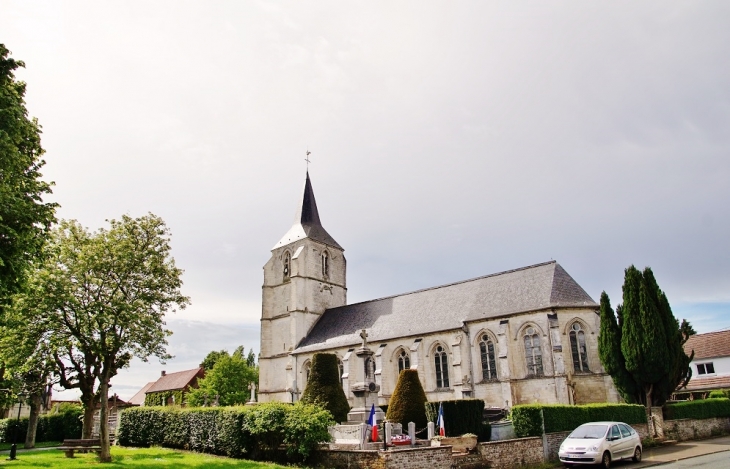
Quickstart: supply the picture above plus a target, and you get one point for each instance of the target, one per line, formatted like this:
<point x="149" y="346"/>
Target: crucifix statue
<point x="364" y="336"/>
<point x="252" y="387"/>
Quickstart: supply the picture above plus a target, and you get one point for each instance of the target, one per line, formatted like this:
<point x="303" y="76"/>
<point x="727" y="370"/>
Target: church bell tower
<point x="304" y="276"/>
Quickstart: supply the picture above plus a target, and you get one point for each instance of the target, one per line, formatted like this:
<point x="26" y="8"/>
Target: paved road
<point x="709" y="461"/>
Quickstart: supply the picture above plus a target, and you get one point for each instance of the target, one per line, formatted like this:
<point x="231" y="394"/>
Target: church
<point x="517" y="337"/>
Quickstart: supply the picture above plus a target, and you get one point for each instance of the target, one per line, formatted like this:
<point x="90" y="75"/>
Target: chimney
<point x="163" y="373"/>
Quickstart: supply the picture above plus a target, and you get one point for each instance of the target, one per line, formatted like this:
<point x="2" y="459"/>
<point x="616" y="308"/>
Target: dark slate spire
<point x="306" y="223"/>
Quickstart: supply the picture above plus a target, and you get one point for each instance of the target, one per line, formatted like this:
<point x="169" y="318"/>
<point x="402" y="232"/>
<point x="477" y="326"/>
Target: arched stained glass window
<point x="533" y="353"/>
<point x="578" y="348"/>
<point x="489" y="364"/>
<point x="441" y="362"/>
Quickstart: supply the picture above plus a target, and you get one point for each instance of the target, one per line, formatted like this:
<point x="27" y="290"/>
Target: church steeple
<point x="307" y="223"/>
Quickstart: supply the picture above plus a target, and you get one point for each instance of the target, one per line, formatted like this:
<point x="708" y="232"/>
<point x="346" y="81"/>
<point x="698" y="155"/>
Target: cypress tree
<point x="324" y="387"/>
<point x="650" y="363"/>
<point x="408" y="403"/>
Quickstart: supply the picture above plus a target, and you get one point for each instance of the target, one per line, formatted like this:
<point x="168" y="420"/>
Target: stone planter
<point x="459" y="444"/>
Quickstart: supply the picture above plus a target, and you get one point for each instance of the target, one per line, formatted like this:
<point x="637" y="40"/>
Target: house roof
<point x="138" y="399"/>
<point x="175" y="381"/>
<point x="307" y="224"/>
<point x="708" y="383"/>
<point x="533" y="288"/>
<point x="709" y="345"/>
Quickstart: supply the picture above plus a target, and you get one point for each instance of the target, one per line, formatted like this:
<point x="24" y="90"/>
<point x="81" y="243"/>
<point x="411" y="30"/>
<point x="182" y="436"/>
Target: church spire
<point x="307" y="223"/>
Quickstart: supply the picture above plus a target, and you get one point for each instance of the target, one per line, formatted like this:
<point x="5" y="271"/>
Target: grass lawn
<point x="133" y="458"/>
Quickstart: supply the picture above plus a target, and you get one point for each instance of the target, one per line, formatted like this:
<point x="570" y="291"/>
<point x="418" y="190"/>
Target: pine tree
<point x="324" y="387"/>
<point x="650" y="362"/>
<point x="408" y="403"/>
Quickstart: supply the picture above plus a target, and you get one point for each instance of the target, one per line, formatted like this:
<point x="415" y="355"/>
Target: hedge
<point x="460" y="416"/>
<point x="51" y="427"/>
<point x="700" y="409"/>
<point x="256" y="432"/>
<point x="561" y="418"/>
<point x="408" y="400"/>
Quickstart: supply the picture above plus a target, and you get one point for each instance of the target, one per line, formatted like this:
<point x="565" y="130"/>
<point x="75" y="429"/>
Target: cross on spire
<point x="307" y="158"/>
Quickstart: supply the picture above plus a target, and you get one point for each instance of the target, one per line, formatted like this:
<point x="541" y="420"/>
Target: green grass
<point x="43" y="444"/>
<point x="134" y="458"/>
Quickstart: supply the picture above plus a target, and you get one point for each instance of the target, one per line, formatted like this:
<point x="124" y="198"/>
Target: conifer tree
<point x="408" y="403"/>
<point x="324" y="387"/>
<point x="644" y="352"/>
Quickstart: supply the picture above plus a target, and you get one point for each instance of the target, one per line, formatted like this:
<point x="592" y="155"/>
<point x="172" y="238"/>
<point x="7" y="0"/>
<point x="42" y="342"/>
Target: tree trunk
<point x="88" y="422"/>
<point x="105" y="453"/>
<point x="34" y="403"/>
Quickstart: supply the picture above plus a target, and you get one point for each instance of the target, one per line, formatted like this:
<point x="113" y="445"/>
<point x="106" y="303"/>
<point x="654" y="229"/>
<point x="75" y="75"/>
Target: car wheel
<point x="637" y="455"/>
<point x="606" y="461"/>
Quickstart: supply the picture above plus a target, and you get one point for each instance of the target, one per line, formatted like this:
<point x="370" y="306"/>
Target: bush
<point x="562" y="418"/>
<point x="58" y="426"/>
<point x="719" y="394"/>
<point x="254" y="431"/>
<point x="407" y="404"/>
<point x="324" y="387"/>
<point x="701" y="409"/>
<point x="460" y="416"/>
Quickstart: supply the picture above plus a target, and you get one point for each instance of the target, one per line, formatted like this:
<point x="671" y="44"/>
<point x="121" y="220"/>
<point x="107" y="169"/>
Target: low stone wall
<point x="694" y="429"/>
<point x="410" y="458"/>
<point x="511" y="453"/>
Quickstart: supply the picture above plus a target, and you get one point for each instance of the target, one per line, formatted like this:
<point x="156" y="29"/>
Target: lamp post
<point x="14" y="446"/>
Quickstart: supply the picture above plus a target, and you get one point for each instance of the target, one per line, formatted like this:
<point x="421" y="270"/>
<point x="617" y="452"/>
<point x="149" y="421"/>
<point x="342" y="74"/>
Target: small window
<point x="305" y="371"/>
<point x="441" y="362"/>
<point x="287" y="266"/>
<point x="325" y="265"/>
<point x="404" y="361"/>
<point x="705" y="368"/>
<point x="615" y="433"/>
<point x="489" y="365"/>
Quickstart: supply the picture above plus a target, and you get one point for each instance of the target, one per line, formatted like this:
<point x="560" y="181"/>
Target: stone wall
<point x="694" y="429"/>
<point x="438" y="457"/>
<point x="511" y="453"/>
<point x="554" y="440"/>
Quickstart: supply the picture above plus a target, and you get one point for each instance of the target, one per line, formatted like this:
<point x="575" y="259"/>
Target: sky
<point x="449" y="140"/>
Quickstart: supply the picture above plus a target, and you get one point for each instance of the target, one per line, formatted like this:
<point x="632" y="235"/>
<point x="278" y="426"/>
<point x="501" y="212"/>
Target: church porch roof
<point x="447" y="307"/>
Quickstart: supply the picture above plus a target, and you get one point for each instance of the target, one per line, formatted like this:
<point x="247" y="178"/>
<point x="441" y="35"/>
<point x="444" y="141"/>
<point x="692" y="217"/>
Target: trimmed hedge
<point x="52" y="427"/>
<point x="700" y="409"/>
<point x="408" y="400"/>
<point x="562" y="418"/>
<point x="256" y="432"/>
<point x="324" y="387"/>
<point x="460" y="416"/>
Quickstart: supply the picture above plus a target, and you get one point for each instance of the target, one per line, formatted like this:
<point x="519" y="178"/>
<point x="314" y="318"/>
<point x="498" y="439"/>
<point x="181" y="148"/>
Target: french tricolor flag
<point x="373" y="423"/>
<point x="440" y="421"/>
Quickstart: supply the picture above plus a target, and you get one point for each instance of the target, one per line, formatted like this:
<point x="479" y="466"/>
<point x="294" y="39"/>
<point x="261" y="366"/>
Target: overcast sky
<point x="449" y="140"/>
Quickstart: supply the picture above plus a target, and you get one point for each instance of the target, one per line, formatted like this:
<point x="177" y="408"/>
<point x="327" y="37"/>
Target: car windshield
<point x="589" y="432"/>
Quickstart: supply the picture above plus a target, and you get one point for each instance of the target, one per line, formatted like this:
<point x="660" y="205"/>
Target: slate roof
<point x="532" y="288"/>
<point x="138" y="399"/>
<point x="307" y="223"/>
<point x="174" y="381"/>
<point x="710" y="345"/>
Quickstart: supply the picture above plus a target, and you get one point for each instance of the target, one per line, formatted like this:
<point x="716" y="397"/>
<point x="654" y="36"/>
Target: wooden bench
<point x="82" y="446"/>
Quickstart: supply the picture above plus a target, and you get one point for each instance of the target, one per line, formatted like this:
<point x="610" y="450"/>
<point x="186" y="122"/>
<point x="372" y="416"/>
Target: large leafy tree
<point x="227" y="381"/>
<point x="99" y="299"/>
<point x="25" y="219"/>
<point x="641" y="345"/>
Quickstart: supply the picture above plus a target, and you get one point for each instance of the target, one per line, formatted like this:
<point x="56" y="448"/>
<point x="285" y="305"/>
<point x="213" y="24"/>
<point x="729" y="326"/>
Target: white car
<point x="600" y="443"/>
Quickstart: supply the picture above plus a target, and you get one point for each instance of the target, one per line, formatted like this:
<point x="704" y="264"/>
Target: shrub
<point x="719" y="394"/>
<point x="324" y="387"/>
<point x="460" y="416"/>
<point x="701" y="409"/>
<point x="407" y="404"/>
<point x="57" y="426"/>
<point x="561" y="418"/>
<point x="254" y="431"/>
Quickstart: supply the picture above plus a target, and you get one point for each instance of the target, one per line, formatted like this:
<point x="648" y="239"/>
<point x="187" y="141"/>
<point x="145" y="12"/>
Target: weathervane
<point x="307" y="158"/>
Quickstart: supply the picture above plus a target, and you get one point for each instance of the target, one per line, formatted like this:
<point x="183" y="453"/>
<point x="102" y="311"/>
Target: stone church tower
<point x="304" y="277"/>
